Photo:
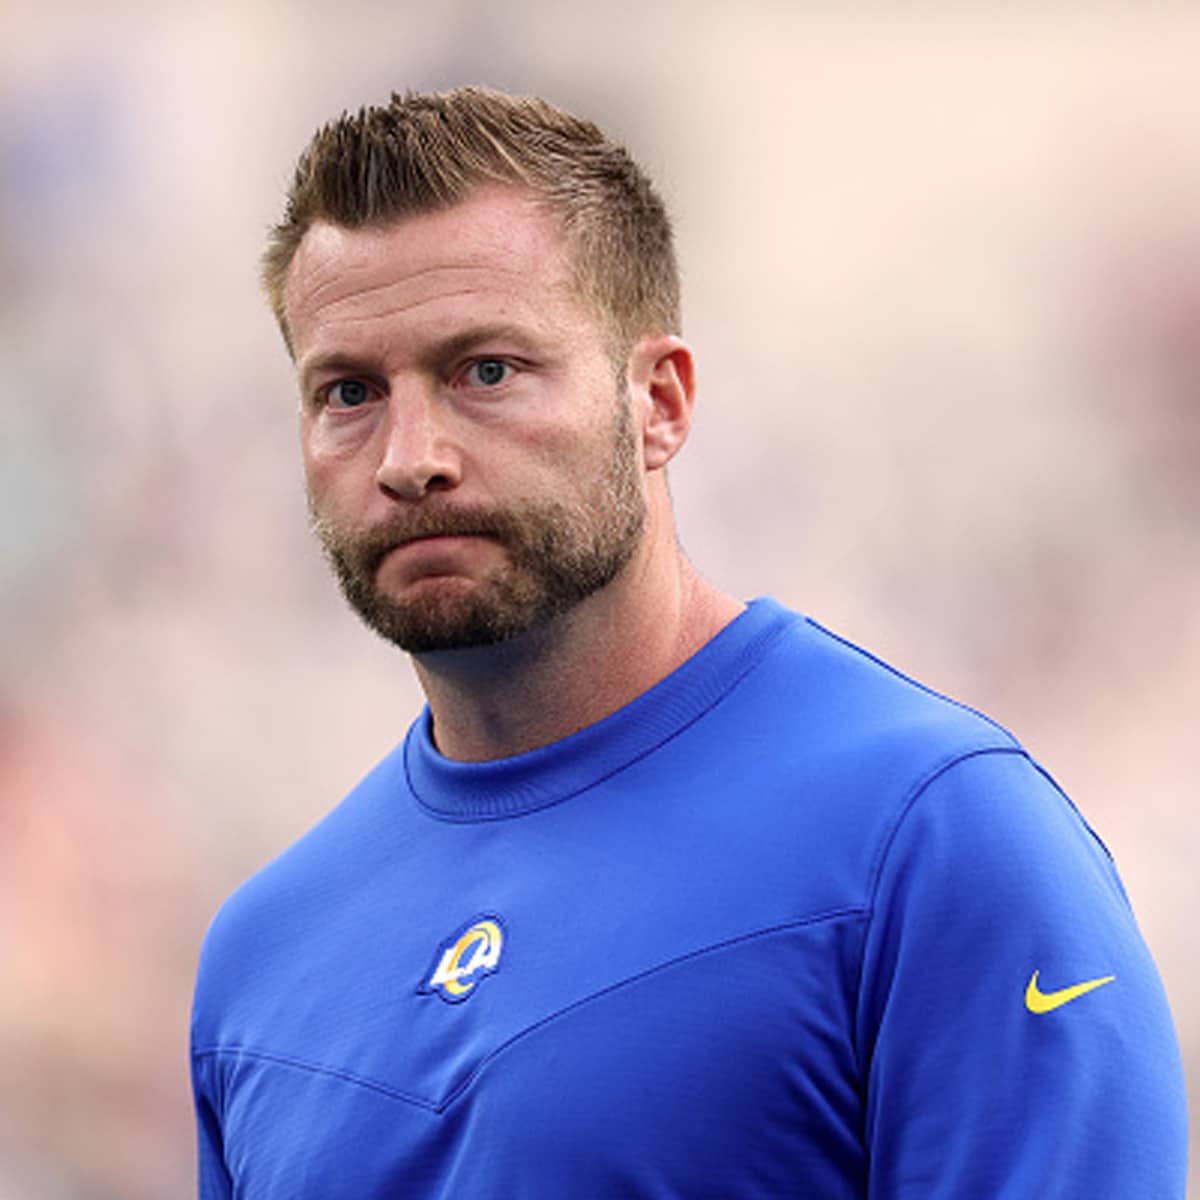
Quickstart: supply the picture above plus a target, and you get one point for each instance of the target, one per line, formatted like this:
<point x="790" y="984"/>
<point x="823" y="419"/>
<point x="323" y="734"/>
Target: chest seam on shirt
<point x="311" y="1068"/>
<point x="464" y="1085"/>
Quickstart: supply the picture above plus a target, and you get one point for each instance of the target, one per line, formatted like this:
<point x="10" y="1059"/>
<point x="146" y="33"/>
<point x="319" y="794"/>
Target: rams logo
<point x="465" y="958"/>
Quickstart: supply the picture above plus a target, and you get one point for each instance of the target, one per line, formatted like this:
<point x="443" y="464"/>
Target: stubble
<point x="556" y="554"/>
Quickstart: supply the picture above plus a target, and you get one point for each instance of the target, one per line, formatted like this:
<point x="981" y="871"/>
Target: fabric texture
<point x="768" y="931"/>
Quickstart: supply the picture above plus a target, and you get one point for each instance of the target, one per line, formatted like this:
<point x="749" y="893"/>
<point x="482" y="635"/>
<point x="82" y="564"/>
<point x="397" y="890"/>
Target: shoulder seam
<point x="875" y="874"/>
<point x="915" y="793"/>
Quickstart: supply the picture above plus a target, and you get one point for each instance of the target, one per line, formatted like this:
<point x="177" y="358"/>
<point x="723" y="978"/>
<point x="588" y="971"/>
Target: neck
<point x="497" y="701"/>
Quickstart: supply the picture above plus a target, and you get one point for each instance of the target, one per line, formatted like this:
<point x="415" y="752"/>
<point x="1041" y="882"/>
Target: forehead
<point x="499" y="247"/>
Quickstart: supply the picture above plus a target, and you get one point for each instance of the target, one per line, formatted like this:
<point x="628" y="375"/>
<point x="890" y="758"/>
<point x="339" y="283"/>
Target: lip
<point x="436" y="539"/>
<point x="436" y="554"/>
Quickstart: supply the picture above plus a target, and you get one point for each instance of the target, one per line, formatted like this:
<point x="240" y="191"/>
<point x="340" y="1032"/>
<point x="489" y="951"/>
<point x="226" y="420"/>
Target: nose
<point x="418" y="455"/>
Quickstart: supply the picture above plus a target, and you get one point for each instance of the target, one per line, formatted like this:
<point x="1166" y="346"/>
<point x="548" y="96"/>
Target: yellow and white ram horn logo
<point x="465" y="958"/>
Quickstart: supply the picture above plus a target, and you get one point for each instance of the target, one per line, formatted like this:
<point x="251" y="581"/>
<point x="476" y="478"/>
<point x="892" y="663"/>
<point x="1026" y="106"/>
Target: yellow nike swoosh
<point x="1038" y="1001"/>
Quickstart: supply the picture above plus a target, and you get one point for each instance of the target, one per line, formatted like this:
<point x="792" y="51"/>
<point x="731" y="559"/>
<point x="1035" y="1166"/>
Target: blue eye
<point x="348" y="393"/>
<point x="488" y="372"/>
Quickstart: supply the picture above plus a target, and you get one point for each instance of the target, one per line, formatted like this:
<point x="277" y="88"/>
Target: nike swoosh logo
<point x="1039" y="1002"/>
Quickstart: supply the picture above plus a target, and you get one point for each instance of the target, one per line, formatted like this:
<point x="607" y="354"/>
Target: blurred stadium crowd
<point x="943" y="275"/>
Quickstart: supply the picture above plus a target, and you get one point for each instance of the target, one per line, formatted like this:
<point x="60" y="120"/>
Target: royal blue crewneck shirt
<point x="787" y="925"/>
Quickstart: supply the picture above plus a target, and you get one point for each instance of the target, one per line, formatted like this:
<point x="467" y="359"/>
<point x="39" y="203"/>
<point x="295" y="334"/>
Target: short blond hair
<point x="424" y="152"/>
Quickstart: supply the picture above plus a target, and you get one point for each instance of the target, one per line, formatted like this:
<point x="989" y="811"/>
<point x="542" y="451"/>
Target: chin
<point x="454" y="616"/>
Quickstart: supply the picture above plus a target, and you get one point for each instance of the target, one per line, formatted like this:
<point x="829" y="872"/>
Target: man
<point x="663" y="895"/>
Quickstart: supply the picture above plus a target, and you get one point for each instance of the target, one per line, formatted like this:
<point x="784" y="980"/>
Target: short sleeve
<point x="984" y="1078"/>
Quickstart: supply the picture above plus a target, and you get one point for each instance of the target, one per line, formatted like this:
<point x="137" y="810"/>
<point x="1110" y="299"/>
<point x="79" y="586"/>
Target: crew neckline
<point x="510" y="787"/>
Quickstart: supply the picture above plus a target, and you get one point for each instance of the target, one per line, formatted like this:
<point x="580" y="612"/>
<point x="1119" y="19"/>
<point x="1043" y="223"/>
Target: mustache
<point x="371" y="547"/>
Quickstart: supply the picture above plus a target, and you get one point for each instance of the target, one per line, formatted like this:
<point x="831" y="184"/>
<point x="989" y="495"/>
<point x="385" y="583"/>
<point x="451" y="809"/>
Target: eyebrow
<point x="321" y="363"/>
<point x="492" y="331"/>
<point x="451" y="346"/>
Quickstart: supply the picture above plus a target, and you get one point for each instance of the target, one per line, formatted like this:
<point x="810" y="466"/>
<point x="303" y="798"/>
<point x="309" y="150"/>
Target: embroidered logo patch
<point x="465" y="958"/>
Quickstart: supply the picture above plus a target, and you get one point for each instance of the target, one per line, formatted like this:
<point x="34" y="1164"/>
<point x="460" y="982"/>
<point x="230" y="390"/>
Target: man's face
<point x="472" y="465"/>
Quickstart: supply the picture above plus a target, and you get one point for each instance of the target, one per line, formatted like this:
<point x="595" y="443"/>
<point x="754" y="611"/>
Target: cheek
<point x="575" y="449"/>
<point x="335" y="456"/>
<point x="553" y="466"/>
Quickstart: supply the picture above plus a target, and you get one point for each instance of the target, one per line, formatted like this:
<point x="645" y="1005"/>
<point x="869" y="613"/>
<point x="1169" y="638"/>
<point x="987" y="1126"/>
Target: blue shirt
<point x="787" y="925"/>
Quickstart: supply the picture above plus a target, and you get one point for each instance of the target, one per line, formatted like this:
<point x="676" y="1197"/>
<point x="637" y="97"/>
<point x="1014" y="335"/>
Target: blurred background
<point x="942" y="271"/>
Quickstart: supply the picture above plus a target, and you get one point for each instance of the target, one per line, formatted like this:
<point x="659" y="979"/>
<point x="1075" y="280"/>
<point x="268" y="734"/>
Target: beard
<point x="557" y="555"/>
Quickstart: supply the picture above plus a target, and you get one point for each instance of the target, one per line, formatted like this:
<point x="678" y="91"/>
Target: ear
<point x="662" y="384"/>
